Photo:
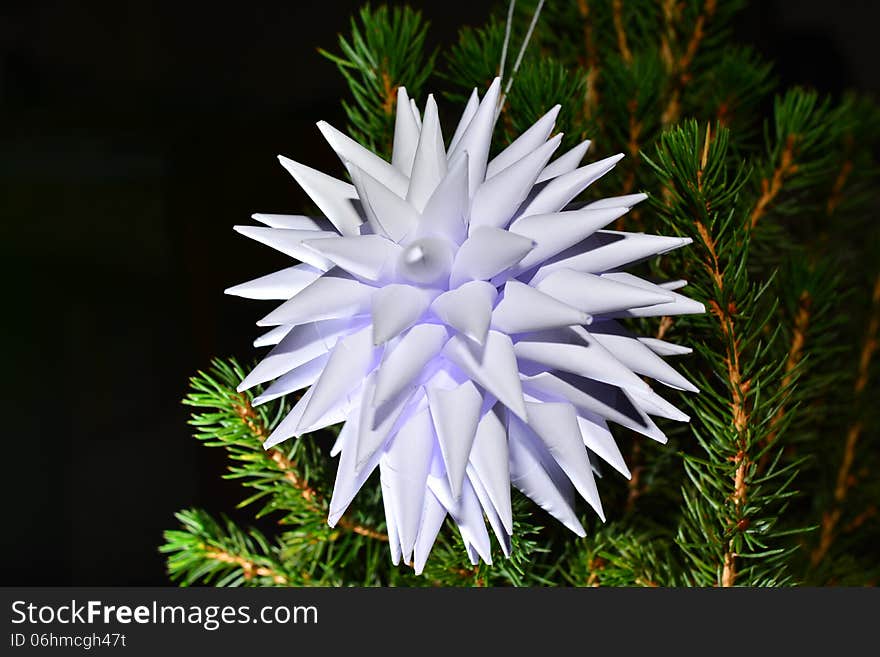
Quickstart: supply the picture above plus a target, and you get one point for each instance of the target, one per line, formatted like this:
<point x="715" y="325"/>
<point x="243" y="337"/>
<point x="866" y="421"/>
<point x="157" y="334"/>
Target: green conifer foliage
<point x="773" y="482"/>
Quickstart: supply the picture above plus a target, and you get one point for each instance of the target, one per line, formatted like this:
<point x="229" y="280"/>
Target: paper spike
<point x="376" y="428"/>
<point x="279" y="285"/>
<point x="333" y="197"/>
<point x="391" y="525"/>
<point x="329" y="297"/>
<point x="370" y="257"/>
<point x="396" y="307"/>
<point x="524" y="145"/>
<point x="343" y="437"/>
<point x="290" y="425"/>
<point x="301" y="344"/>
<point x="406" y="135"/>
<point x="405" y="466"/>
<point x="523" y="309"/>
<point x="415" y="112"/>
<point x="489" y="459"/>
<point x="289" y="242"/>
<point x="286" y="429"/>
<point x="472" y="525"/>
<point x="494" y="369"/>
<point x="351" y="360"/>
<point x="387" y="213"/>
<point x="556" y="424"/>
<point x="528" y="474"/>
<point x="337" y="414"/>
<point x="664" y="348"/>
<point x="272" y="337"/>
<point x="403" y="362"/>
<point x="487" y="252"/>
<point x="678" y="305"/>
<point x="455" y="414"/>
<point x="553" y="233"/>
<point x="673" y="285"/>
<point x="352" y="153"/>
<point x="469" y="110"/>
<point x="562" y="189"/>
<point x="429" y="165"/>
<point x="588" y="359"/>
<point x="467" y="309"/>
<point x="637" y="356"/>
<point x="594" y="398"/>
<point x="653" y="404"/>
<point x="596" y="294"/>
<point x="626" y="201"/>
<point x="490" y="512"/>
<point x="467" y="513"/>
<point x="476" y="138"/>
<point x="446" y="212"/>
<point x="350" y="476"/>
<point x="293" y="222"/>
<point x="297" y="379"/>
<point x="433" y="516"/>
<point x="497" y="199"/>
<point x="607" y="250"/>
<point x="599" y="440"/>
<point x="565" y="163"/>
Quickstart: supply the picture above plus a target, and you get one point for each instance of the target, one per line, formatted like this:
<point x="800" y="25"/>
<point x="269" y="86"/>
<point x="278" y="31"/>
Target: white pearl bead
<point x="426" y="261"/>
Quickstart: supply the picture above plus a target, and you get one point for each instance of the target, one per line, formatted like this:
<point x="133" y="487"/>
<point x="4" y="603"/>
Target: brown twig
<point x="634" y="485"/>
<point x="693" y="45"/>
<point x="739" y="389"/>
<point x="249" y="568"/>
<point x="591" y="60"/>
<point x="770" y="187"/>
<point x="353" y="527"/>
<point x="795" y="353"/>
<point x="680" y="68"/>
<point x="249" y="416"/>
<point x="860" y="519"/>
<point x="621" y="32"/>
<point x="842" y="177"/>
<point x="668" y="35"/>
<point x="831" y="517"/>
<point x="597" y="564"/>
<point x="704" y="157"/>
<point x="632" y="146"/>
<point x="837" y="189"/>
<point x="389" y="94"/>
<point x="665" y="324"/>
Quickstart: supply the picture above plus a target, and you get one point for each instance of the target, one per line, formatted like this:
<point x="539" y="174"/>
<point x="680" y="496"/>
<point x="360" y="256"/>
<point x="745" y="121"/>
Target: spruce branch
<point x="729" y="532"/>
<point x="801" y="325"/>
<point x="240" y="428"/>
<point x="837" y="189"/>
<point x="386" y="49"/>
<point x="831" y="517"/>
<point x="219" y="553"/>
<point x="679" y="67"/>
<point x="617" y="555"/>
<point x="292" y="483"/>
<point x="800" y="154"/>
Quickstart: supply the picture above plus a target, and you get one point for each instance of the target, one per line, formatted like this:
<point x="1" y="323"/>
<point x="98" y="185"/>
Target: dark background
<point x="133" y="135"/>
